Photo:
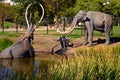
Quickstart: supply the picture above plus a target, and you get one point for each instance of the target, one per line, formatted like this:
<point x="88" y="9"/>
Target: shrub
<point x="5" y="43"/>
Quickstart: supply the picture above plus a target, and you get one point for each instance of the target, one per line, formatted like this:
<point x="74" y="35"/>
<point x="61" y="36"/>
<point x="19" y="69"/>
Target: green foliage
<point x="115" y="31"/>
<point x="6" y="12"/>
<point x="5" y="43"/>
<point x="62" y="8"/>
<point x="88" y="65"/>
<point x="34" y="9"/>
<point x="93" y="63"/>
<point x="10" y="34"/>
<point x="9" y="24"/>
<point x="113" y="8"/>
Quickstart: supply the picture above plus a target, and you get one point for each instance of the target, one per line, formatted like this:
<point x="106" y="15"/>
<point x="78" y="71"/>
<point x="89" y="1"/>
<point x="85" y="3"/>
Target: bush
<point x="5" y="43"/>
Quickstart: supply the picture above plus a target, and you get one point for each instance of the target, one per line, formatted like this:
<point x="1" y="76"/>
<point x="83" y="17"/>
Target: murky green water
<point x="29" y="66"/>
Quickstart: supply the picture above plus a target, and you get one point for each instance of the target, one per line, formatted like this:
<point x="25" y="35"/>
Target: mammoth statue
<point x="20" y="49"/>
<point x="23" y="48"/>
<point x="92" y="20"/>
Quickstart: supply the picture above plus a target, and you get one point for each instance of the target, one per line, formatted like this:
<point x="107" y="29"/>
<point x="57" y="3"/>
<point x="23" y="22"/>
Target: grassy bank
<point x="5" y="43"/>
<point x="78" y="32"/>
<point x="88" y="64"/>
<point x="7" y="24"/>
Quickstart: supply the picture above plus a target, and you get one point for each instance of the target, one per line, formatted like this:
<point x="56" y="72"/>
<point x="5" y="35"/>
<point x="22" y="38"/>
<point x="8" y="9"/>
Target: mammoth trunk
<point x="69" y="30"/>
<point x="72" y="25"/>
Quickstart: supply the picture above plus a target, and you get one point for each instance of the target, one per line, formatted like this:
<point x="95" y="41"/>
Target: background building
<point x="8" y="2"/>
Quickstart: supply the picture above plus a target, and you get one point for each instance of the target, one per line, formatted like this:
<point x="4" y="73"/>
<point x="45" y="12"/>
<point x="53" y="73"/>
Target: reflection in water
<point x="22" y="68"/>
<point x="13" y="68"/>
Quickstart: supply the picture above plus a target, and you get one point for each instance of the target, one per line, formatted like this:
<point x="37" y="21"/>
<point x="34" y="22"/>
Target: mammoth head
<point x="30" y="15"/>
<point x="31" y="26"/>
<point x="80" y="16"/>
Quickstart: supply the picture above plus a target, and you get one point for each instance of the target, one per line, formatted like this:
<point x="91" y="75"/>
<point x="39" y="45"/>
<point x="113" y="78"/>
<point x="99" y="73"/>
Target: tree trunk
<point x="118" y="19"/>
<point x="16" y="27"/>
<point x="56" y="23"/>
<point x="16" y="24"/>
<point x="2" y="25"/>
<point x="47" y="22"/>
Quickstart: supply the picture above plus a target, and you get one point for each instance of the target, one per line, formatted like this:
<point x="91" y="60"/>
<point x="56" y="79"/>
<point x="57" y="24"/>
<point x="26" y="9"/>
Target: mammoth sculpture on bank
<point x="23" y="48"/>
<point x="92" y="20"/>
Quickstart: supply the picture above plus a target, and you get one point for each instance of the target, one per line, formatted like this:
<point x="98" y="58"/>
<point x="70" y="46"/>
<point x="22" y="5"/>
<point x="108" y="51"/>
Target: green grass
<point x="5" y="43"/>
<point x="9" y="24"/>
<point x="88" y="64"/>
<point x="116" y="31"/>
<point x="77" y="33"/>
<point x="94" y="63"/>
<point x="9" y="34"/>
<point x="7" y="38"/>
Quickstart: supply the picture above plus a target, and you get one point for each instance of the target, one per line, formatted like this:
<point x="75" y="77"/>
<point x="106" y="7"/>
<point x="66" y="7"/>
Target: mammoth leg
<point x="90" y="33"/>
<point x="31" y="51"/>
<point x="11" y="54"/>
<point x="108" y="29"/>
<point x="107" y="38"/>
<point x="85" y="37"/>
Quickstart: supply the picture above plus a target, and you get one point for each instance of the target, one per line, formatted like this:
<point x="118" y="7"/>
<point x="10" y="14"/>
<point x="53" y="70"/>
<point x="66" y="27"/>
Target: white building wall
<point x="9" y="2"/>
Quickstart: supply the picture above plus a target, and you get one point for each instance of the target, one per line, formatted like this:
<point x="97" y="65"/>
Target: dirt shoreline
<point x="43" y="44"/>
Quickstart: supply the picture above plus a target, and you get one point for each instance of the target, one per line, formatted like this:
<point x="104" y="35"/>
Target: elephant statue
<point x="92" y="20"/>
<point x="23" y="48"/>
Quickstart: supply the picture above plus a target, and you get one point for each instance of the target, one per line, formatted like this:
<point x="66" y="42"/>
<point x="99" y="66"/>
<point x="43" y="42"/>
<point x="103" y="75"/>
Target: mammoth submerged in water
<point x="23" y="48"/>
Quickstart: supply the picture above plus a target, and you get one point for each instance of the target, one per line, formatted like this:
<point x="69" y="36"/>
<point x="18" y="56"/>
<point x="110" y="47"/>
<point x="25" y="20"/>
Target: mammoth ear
<point x="84" y="17"/>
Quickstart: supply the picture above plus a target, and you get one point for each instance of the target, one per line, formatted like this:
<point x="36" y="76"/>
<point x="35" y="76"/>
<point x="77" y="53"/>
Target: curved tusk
<point x="67" y="31"/>
<point x="42" y="13"/>
<point x="26" y="13"/>
<point x="70" y="29"/>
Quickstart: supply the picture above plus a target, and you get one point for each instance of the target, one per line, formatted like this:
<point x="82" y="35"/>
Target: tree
<point x="6" y="11"/>
<point x="107" y="6"/>
<point x="34" y="9"/>
<point x="87" y="5"/>
<point x="60" y="8"/>
<point x="55" y="9"/>
<point x="113" y="8"/>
